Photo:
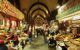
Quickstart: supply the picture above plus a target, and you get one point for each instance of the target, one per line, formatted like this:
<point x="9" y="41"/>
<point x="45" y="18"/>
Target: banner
<point x="9" y="9"/>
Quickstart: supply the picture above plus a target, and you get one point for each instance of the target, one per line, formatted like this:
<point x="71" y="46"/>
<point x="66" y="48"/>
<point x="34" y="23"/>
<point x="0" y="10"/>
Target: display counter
<point x="72" y="43"/>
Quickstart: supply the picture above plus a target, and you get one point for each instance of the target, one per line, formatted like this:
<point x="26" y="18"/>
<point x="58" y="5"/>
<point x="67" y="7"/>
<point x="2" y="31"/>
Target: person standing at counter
<point x="61" y="45"/>
<point x="60" y="42"/>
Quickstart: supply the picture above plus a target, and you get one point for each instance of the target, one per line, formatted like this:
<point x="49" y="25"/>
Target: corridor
<point x="38" y="44"/>
<point x="21" y="20"/>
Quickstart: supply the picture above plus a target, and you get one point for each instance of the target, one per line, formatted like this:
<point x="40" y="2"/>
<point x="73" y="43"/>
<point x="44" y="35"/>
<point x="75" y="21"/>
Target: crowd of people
<point x="15" y="41"/>
<point x="18" y="41"/>
<point x="56" y="41"/>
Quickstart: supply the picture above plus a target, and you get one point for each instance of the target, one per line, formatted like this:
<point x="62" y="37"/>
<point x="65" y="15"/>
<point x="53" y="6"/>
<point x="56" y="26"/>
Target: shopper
<point x="58" y="47"/>
<point x="30" y="37"/>
<point x="2" y="45"/>
<point x="61" y="45"/>
<point x="15" y="38"/>
<point x="52" y="42"/>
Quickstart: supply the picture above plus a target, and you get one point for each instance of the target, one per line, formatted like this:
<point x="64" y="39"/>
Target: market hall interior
<point x="39" y="25"/>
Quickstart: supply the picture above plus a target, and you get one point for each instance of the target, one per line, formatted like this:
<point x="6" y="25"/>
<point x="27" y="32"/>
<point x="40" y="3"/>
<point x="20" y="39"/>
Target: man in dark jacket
<point x="52" y="42"/>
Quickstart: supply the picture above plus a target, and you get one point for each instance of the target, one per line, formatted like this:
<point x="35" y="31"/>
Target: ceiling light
<point x="38" y="16"/>
<point x="77" y="17"/>
<point x="58" y="6"/>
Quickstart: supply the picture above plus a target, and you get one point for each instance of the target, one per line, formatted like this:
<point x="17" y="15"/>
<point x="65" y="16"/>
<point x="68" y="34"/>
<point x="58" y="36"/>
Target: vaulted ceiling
<point x="51" y="4"/>
<point x="38" y="10"/>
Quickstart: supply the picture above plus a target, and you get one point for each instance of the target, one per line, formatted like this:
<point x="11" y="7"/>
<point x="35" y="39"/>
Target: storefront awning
<point x="11" y="10"/>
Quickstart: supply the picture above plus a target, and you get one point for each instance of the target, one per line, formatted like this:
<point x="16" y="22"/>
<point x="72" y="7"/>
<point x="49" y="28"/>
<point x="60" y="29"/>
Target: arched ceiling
<point x="37" y="5"/>
<point x="39" y="20"/>
<point x="38" y="10"/>
<point x="43" y="13"/>
<point x="51" y="4"/>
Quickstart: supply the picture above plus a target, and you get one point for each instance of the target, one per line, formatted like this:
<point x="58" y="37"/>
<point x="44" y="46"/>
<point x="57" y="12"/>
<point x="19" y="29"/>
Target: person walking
<point x="52" y="43"/>
<point x="30" y="37"/>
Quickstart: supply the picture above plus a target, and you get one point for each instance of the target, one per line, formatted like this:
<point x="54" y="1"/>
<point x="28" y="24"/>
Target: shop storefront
<point x="68" y="14"/>
<point x="2" y="25"/>
<point x="10" y="20"/>
<point x="10" y="16"/>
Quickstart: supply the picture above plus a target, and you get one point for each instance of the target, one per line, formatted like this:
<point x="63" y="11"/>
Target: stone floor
<point x="38" y="44"/>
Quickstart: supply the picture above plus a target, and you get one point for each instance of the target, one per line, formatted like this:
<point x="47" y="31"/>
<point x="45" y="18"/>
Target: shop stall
<point x="10" y="18"/>
<point x="2" y="26"/>
<point x="70" y="12"/>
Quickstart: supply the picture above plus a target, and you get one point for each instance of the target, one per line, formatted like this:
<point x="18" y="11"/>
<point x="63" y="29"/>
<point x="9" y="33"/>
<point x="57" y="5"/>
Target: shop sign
<point x="70" y="4"/>
<point x="9" y="9"/>
<point x="77" y="17"/>
<point x="70" y="11"/>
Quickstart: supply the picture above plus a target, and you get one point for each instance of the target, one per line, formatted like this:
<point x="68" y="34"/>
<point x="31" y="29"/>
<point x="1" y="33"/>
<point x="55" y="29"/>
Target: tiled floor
<point x="38" y="44"/>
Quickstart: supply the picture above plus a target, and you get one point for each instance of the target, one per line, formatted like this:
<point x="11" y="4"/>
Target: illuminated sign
<point x="69" y="5"/>
<point x="9" y="9"/>
<point x="76" y="17"/>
